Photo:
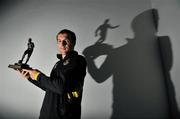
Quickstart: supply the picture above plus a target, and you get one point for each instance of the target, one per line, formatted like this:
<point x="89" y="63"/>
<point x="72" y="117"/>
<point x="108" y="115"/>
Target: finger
<point x="23" y="72"/>
<point x="26" y="74"/>
<point x="27" y="70"/>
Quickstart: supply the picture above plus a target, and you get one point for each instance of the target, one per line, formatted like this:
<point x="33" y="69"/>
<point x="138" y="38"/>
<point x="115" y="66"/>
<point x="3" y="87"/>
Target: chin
<point x="63" y="53"/>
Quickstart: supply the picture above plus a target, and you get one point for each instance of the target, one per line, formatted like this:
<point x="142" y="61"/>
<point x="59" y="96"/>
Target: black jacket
<point x="67" y="76"/>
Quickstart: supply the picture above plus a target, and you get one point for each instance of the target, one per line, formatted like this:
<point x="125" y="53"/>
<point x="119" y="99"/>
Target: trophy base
<point x="18" y="66"/>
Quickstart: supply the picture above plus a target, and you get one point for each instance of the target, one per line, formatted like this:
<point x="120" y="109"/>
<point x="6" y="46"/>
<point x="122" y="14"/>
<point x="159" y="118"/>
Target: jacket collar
<point x="69" y="55"/>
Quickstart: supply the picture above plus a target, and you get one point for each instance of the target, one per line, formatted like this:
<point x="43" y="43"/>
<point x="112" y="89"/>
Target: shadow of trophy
<point x="20" y="65"/>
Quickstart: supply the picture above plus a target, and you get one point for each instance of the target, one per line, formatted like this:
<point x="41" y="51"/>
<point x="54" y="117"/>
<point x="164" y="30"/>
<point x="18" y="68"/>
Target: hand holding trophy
<point x="20" y="65"/>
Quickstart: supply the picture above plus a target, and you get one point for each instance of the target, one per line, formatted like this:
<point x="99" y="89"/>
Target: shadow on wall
<point x="166" y="56"/>
<point x="136" y="68"/>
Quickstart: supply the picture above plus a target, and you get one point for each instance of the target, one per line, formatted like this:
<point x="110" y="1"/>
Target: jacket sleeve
<point x="75" y="75"/>
<point x="36" y="83"/>
<point x="53" y="84"/>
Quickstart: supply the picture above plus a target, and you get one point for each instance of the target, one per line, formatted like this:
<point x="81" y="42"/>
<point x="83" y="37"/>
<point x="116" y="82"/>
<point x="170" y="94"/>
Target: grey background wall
<point x="134" y="84"/>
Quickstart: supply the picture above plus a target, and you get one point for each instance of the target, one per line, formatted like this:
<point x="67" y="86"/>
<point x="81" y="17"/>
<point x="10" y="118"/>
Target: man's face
<point x="64" y="44"/>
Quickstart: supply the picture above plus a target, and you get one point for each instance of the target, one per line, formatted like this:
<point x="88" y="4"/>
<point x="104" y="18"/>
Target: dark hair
<point x="70" y="35"/>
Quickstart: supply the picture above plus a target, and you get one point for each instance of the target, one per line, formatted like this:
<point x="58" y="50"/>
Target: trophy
<point x="20" y="65"/>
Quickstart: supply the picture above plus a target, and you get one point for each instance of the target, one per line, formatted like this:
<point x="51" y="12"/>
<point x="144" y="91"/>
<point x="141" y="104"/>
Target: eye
<point x="64" y="43"/>
<point x="59" y="41"/>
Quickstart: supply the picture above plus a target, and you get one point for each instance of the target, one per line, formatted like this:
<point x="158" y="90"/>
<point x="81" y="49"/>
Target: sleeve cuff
<point x="36" y="76"/>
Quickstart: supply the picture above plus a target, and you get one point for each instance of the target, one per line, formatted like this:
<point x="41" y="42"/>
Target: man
<point x="28" y="51"/>
<point x="64" y="87"/>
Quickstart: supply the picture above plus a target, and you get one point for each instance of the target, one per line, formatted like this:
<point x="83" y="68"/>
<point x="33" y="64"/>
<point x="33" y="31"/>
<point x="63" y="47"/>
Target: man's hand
<point x="30" y="73"/>
<point x="24" y="74"/>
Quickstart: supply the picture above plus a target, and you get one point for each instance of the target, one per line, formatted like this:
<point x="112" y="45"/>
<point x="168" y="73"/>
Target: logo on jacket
<point x="66" y="62"/>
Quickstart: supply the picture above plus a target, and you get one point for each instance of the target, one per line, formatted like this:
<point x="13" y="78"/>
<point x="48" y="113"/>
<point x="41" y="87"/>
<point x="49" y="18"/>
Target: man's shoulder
<point x="78" y="58"/>
<point x="81" y="59"/>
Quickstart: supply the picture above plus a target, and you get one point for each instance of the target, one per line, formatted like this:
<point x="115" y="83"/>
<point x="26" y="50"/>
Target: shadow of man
<point x="166" y="55"/>
<point x="138" y="79"/>
<point x="102" y="30"/>
<point x="165" y="49"/>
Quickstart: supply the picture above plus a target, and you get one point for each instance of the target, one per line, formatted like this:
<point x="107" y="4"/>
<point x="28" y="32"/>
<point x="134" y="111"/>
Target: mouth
<point x="62" y="48"/>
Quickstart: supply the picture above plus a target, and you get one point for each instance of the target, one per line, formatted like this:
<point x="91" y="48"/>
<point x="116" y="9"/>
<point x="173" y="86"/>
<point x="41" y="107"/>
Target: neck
<point x="63" y="56"/>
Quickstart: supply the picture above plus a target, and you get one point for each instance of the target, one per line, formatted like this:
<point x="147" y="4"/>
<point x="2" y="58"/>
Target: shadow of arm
<point x="99" y="74"/>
